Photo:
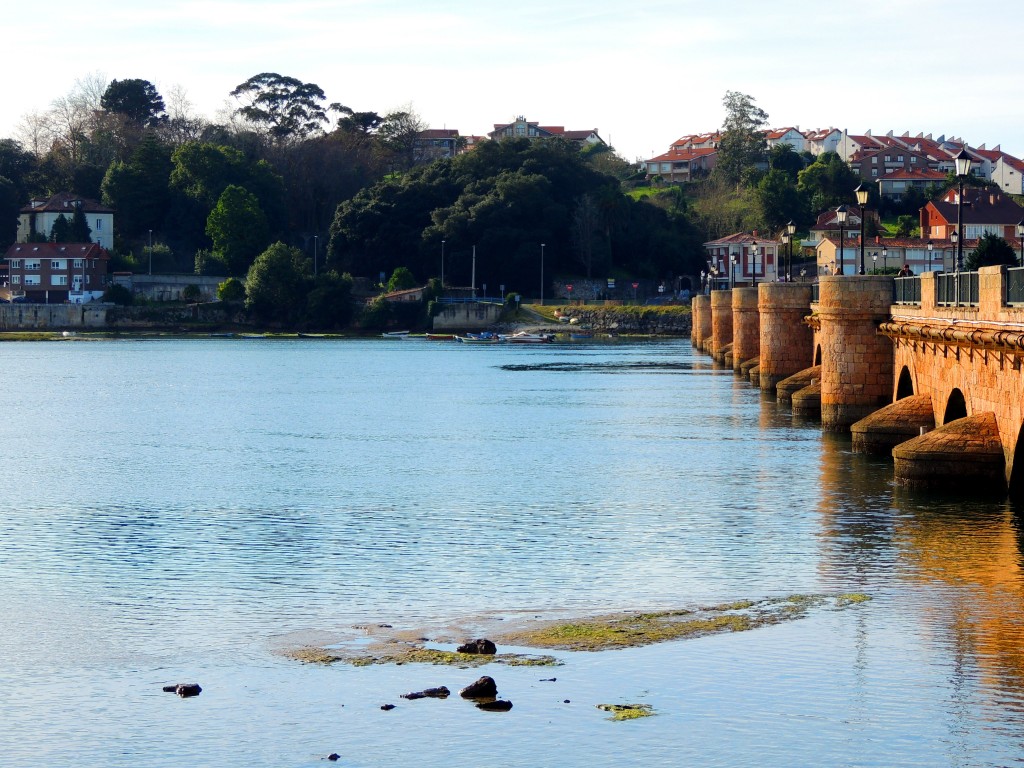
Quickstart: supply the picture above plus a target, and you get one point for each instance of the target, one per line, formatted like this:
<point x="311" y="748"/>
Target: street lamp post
<point x="542" y="274"/>
<point x="316" y="249"/>
<point x="885" y="258"/>
<point x="785" y="242"/>
<point x="753" y="263"/>
<point x="442" y="264"/>
<point x="874" y="263"/>
<point x="963" y="169"/>
<point x="930" y="248"/>
<point x="732" y="270"/>
<point x="954" y="237"/>
<point x="841" y="213"/>
<point x="791" y="231"/>
<point x="151" y="251"/>
<point x="1020" y="236"/>
<point x="862" y="200"/>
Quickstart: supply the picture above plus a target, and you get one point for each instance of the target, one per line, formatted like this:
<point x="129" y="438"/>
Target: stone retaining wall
<point x="640" y="320"/>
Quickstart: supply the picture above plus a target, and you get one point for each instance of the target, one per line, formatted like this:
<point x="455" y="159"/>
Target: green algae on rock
<point x="631" y="630"/>
<point x="627" y="711"/>
<point x="400" y="653"/>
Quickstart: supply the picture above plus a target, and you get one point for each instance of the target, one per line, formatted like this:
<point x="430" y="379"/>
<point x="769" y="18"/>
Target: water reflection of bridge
<point x="927" y="368"/>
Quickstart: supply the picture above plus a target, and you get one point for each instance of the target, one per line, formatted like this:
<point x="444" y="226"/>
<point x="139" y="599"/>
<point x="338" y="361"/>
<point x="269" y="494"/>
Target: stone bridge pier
<point x="787" y="343"/>
<point x="701" y="320"/>
<point x="856" y="361"/>
<point x="721" y="323"/>
<point x="746" y="326"/>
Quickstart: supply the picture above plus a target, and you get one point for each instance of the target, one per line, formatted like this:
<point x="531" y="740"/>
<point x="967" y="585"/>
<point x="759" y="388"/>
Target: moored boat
<point x="394" y="334"/>
<point x="522" y="337"/>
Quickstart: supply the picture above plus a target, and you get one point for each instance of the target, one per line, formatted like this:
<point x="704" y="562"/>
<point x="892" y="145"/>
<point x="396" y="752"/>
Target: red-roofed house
<point x="39" y="217"/>
<point x="682" y="165"/>
<point x="895" y="183"/>
<point x="822" y="140"/>
<point x="984" y="212"/>
<point x="526" y="129"/>
<point x="742" y="258"/>
<point x="435" y="143"/>
<point x="53" y="273"/>
<point x="791" y="136"/>
<point x="1008" y="173"/>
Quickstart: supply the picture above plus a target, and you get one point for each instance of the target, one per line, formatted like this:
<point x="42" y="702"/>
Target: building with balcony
<point x="54" y="273"/>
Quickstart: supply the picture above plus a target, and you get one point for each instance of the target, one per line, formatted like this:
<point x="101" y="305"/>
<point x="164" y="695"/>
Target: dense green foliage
<point x="506" y="198"/>
<point x="138" y="100"/>
<point x="991" y="251"/>
<point x="238" y="229"/>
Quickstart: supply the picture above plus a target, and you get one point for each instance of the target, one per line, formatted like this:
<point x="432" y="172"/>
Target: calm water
<point x="180" y="510"/>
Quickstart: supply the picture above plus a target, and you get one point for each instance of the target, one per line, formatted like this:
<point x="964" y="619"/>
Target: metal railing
<point x="1014" y="283"/>
<point x="906" y="290"/>
<point x="956" y="289"/>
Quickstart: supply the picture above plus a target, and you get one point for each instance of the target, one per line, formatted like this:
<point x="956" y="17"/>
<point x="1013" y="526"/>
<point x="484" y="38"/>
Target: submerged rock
<point x="333" y="757"/>
<point x="184" y="689"/>
<point x="495" y="706"/>
<point x="387" y="707"/>
<point x="481" y="645"/>
<point x="440" y="692"/>
<point x="482" y="688"/>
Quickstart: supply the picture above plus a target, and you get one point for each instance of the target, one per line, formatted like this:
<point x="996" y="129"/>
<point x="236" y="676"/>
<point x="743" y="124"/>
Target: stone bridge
<point x="933" y="377"/>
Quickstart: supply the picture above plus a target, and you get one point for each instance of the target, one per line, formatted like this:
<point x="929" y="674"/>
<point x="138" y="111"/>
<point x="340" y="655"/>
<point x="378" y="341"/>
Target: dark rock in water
<point x="481" y="646"/>
<point x="385" y="626"/>
<point x="548" y="679"/>
<point x="387" y="707"/>
<point x="184" y="689"/>
<point x="495" y="706"/>
<point x="429" y="693"/>
<point x="482" y="688"/>
<point x="566" y="701"/>
<point x="334" y="756"/>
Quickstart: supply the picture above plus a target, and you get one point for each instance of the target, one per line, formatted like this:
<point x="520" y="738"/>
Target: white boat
<point x="395" y="334"/>
<point x="522" y="337"/>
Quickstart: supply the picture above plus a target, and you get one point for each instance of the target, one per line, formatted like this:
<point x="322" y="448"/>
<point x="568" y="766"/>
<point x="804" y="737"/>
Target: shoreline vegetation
<point x="382" y="644"/>
<point x="628" y="321"/>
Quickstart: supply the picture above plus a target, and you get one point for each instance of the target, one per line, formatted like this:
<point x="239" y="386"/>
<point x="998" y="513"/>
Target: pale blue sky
<point x="643" y="72"/>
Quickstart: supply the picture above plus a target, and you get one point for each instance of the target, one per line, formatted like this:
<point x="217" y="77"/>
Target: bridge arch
<point x="956" y="407"/>
<point x="905" y="386"/>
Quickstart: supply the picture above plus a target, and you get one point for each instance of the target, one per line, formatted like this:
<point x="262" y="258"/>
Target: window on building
<point x="888" y="158"/>
<point x="913" y="159"/>
<point x="58" y="264"/>
<point x="99" y="225"/>
<point x="16" y="279"/>
<point x="874" y="171"/>
<point x="874" y="160"/>
<point x="899" y="158"/>
<point x="78" y="264"/>
<point x="31" y="264"/>
<point x="31" y="279"/>
<point x="58" y="279"/>
<point x="15" y="263"/>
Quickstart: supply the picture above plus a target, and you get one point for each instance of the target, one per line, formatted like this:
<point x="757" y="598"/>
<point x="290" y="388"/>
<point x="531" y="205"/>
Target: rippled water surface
<point x="180" y="510"/>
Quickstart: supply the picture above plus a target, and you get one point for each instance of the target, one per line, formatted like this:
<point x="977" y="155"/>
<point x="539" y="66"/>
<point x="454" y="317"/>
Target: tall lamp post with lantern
<point x="862" y="200"/>
<point x="841" y="213"/>
<point x="963" y="170"/>
<point x="1020" y="237"/>
<point x="791" y="231"/>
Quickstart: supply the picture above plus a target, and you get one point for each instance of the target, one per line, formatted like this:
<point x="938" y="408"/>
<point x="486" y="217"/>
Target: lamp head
<point x="862" y="194"/>
<point x="791" y="228"/>
<point x="963" y="163"/>
<point x="841" y="214"/>
<point x="954" y="236"/>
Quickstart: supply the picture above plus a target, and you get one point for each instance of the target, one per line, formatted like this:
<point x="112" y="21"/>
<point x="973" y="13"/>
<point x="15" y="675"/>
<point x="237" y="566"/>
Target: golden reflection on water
<point x="964" y="555"/>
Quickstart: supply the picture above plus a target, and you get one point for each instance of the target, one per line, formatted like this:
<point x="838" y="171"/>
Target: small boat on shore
<point x="394" y="335"/>
<point x="441" y="337"/>
<point x="522" y="337"/>
<point x="478" y="339"/>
